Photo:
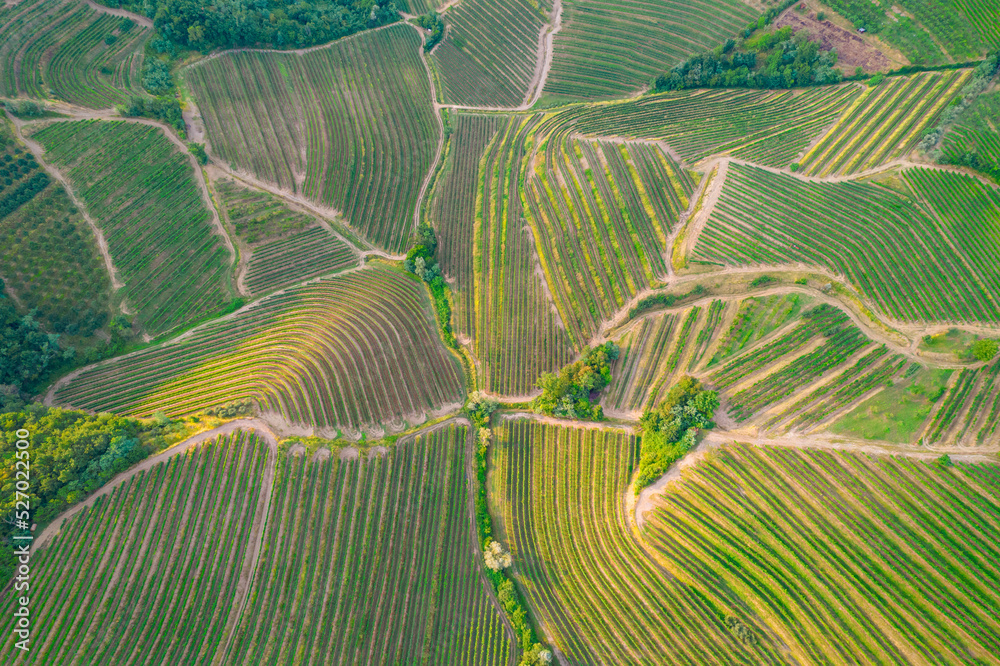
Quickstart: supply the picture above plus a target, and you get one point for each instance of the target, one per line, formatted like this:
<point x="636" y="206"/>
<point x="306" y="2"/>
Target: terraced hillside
<point x="347" y="353"/>
<point x="69" y="50"/>
<point x="884" y="123"/>
<point x="974" y="139"/>
<point x="372" y="560"/>
<point x="150" y="571"/>
<point x="282" y="246"/>
<point x="598" y="595"/>
<point x="600" y="214"/>
<point x="490" y="53"/>
<point x="844" y="556"/>
<point x="350" y="126"/>
<point x="611" y="49"/>
<point x="882" y="242"/>
<point x="765" y="127"/>
<point x="143" y="194"/>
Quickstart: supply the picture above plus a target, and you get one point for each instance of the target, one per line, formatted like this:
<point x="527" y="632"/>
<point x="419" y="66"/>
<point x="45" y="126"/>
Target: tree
<point x="480" y="408"/>
<point x="495" y="557"/>
<point x="156" y="76"/>
<point x="984" y="350"/>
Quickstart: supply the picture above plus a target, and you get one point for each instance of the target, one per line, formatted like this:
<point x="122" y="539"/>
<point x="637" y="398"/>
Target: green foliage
<point x="71" y="454"/>
<point x="770" y="59"/>
<point x="867" y="14"/>
<point x="434" y="26"/>
<point x="166" y="109"/>
<point x="156" y="76"/>
<point x="656" y="301"/>
<point x="24" y="108"/>
<point x="421" y="261"/>
<point x="669" y="429"/>
<point x="25" y="350"/>
<point x="762" y="280"/>
<point x="569" y="393"/>
<point x="198" y="150"/>
<point x="480" y="408"/>
<point x="207" y="24"/>
<point x="984" y="350"/>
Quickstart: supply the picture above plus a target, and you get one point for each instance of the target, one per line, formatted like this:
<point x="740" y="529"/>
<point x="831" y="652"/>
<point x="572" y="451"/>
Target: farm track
<point x="138" y="18"/>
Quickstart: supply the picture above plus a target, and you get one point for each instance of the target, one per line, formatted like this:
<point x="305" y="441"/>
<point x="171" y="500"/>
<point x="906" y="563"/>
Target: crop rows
<point x="371" y="560"/>
<point x="982" y="15"/>
<point x="846" y="557"/>
<point x="454" y="210"/>
<point x="141" y="191"/>
<point x="490" y="53"/>
<point x="51" y="263"/>
<point x="20" y="179"/>
<point x="967" y="212"/>
<point x="517" y="335"/>
<point x="642" y="352"/>
<point x="350" y="126"/>
<point x="344" y="352"/>
<point x="966" y="404"/>
<point x="956" y="26"/>
<point x="755" y="318"/>
<point x="149" y="573"/>
<point x="707" y="332"/>
<point x="257" y="216"/>
<point x="881" y="242"/>
<point x="766" y="127"/>
<point x="601" y="237"/>
<point x="841" y="344"/>
<point x="60" y="48"/>
<point x="884" y="123"/>
<point x="296" y="258"/>
<point x="597" y="594"/>
<point x="609" y="49"/>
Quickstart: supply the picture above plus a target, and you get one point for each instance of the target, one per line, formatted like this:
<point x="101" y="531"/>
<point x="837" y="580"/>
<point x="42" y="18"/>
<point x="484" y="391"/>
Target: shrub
<point x="198" y="150"/>
<point x="480" y="408"/>
<point x="984" y="350"/>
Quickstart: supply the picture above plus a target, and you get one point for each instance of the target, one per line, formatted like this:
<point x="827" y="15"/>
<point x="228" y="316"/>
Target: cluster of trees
<point x="571" y="392"/>
<point x="72" y="454"/>
<point x="862" y="13"/>
<point x="208" y="24"/>
<point x="24" y="108"/>
<point x="421" y="260"/>
<point x="165" y="108"/>
<point x="26" y="352"/>
<point x="773" y="59"/>
<point x="434" y="26"/>
<point x="669" y="429"/>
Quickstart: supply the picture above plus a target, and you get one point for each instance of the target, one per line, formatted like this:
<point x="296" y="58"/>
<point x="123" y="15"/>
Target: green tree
<point x="984" y="350"/>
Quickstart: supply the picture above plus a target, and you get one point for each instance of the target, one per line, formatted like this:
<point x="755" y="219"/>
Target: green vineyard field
<point x="882" y="242"/>
<point x="342" y="353"/>
<point x="349" y="126"/>
<point x="60" y="48"/>
<point x="149" y="573"/>
<point x="599" y="596"/>
<point x="844" y="556"/>
<point x="490" y="52"/>
<point x="372" y="560"/>
<point x="609" y="49"/>
<point x="141" y="191"/>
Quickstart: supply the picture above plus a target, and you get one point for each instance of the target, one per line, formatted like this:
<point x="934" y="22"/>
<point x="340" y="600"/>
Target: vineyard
<point x="454" y="210"/>
<point x="68" y="50"/>
<point x="967" y="29"/>
<point x="347" y="353"/>
<point x="598" y="595"/>
<point x="518" y="334"/>
<point x="490" y="52"/>
<point x="766" y="127"/>
<point x="884" y="123"/>
<point x="883" y="243"/>
<point x="372" y="560"/>
<point x="284" y="246"/>
<point x="350" y="126"/>
<point x="844" y="556"/>
<point x="976" y="133"/>
<point x="141" y="192"/>
<point x="149" y="573"/>
<point x="610" y="49"/>
<point x="600" y="214"/>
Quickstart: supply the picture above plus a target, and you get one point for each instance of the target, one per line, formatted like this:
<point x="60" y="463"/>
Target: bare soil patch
<point x="852" y="50"/>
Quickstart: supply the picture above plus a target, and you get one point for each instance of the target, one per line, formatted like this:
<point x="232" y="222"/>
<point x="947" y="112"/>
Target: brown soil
<point x="852" y="51"/>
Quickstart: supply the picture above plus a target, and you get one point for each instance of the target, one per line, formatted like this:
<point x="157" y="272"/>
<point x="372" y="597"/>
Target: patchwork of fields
<point x="362" y="148"/>
<point x="143" y="194"/>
